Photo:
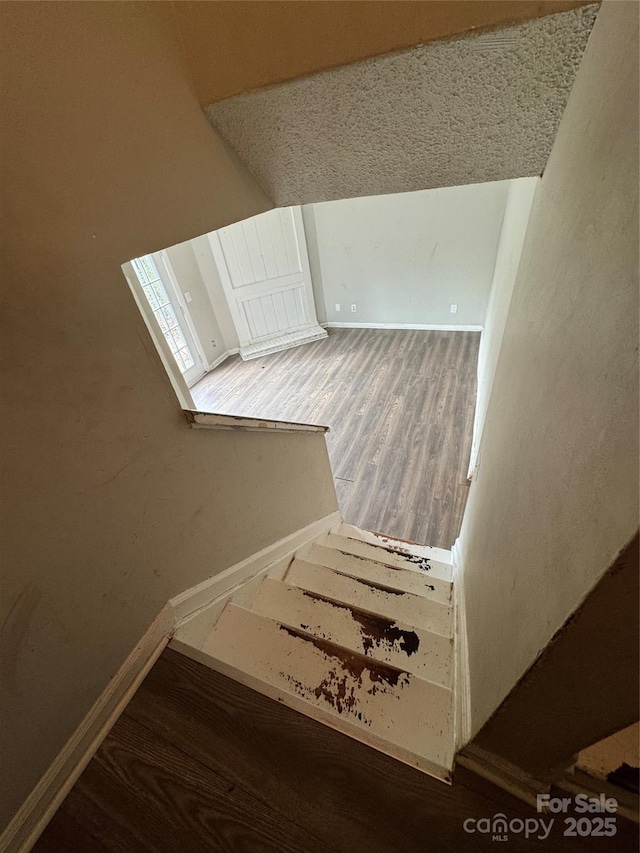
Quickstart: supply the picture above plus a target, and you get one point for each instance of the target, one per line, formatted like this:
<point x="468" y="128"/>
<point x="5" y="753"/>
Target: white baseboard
<point x="462" y="686"/>
<point x="225" y="355"/>
<point x="35" y="813"/>
<point x="205" y="593"/>
<point x="426" y="327"/>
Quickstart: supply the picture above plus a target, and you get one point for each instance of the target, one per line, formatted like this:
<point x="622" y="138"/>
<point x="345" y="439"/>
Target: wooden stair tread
<point x="354" y="630"/>
<point x="392" y="577"/>
<point x="390" y="708"/>
<point x="398" y="605"/>
<point x="397" y="546"/>
<point x="399" y="644"/>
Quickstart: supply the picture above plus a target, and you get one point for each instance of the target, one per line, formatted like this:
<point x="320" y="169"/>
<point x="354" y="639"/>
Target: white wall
<point x="514" y="227"/>
<point x="406" y="258"/>
<point x="315" y="266"/>
<point x="555" y="495"/>
<point x="401" y="258"/>
<point x="197" y="273"/>
<point x="213" y="284"/>
<point x="189" y="279"/>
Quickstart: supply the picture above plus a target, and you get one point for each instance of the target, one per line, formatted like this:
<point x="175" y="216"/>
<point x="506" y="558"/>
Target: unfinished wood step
<point x="391" y="709"/>
<point x="417" y="583"/>
<point x="412" y="649"/>
<point x="399" y="546"/>
<point x="421" y="565"/>
<point x="404" y="607"/>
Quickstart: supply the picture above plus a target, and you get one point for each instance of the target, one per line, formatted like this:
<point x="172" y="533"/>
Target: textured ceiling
<point x="476" y="108"/>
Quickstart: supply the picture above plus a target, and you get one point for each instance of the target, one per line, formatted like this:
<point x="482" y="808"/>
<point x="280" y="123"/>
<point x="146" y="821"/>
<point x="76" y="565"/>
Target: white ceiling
<point x="480" y="107"/>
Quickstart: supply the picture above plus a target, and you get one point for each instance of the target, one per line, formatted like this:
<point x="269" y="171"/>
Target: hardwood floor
<point x="201" y="763"/>
<point x="400" y="405"/>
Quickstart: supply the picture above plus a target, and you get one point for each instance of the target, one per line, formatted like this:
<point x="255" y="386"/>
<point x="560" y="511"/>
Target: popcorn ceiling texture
<point x="482" y="107"/>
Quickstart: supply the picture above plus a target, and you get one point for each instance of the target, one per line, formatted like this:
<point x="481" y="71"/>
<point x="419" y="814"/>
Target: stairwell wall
<point x="512" y="234"/>
<point x="112" y="505"/>
<point x="228" y="52"/>
<point x="555" y="498"/>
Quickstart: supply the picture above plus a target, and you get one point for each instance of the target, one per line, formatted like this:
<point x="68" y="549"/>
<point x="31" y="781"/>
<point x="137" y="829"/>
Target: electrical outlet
<point x="337" y="306"/>
<point x="213" y="343"/>
<point x="353" y="307"/>
<point x="454" y="309"/>
<point x="187" y="296"/>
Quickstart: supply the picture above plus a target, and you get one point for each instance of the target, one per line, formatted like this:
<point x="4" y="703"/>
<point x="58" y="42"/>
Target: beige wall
<point x="555" y="495"/>
<point x="236" y="47"/>
<point x="111" y="504"/>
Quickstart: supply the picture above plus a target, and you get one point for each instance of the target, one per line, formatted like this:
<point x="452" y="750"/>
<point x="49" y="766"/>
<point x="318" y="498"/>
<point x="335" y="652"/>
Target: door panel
<point x="275" y="314"/>
<point x="264" y="269"/>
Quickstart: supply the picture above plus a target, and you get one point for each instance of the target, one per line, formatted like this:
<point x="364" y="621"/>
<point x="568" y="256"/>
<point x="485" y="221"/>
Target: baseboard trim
<point x="225" y="355"/>
<point x="462" y="691"/>
<point x="187" y="603"/>
<point x="501" y="773"/>
<point x="37" y="810"/>
<point x="35" y="813"/>
<point x="422" y="327"/>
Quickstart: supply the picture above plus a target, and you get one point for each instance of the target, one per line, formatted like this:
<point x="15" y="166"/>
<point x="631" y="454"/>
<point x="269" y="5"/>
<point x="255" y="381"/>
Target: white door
<point x="264" y="269"/>
<point x="154" y="278"/>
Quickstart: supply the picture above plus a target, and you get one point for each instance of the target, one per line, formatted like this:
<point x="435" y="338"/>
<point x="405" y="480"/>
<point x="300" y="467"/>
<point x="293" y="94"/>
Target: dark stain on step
<point x="421" y="562"/>
<point x="376" y="631"/>
<point x="335" y="690"/>
<point x="367" y="560"/>
<point x="339" y="688"/>
<point x="381" y="587"/>
<point x="338" y="691"/>
<point x="389" y="547"/>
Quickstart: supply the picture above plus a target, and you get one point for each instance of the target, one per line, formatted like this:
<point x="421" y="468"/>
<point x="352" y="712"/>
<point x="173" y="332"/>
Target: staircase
<point x="356" y="631"/>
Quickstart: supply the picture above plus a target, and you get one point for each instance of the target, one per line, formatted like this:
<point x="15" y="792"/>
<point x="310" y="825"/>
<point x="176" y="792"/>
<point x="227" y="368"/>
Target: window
<point x="164" y="311"/>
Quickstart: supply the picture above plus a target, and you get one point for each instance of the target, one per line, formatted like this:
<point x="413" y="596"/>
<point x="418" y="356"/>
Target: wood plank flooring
<point x="201" y="763"/>
<point x="400" y="405"/>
